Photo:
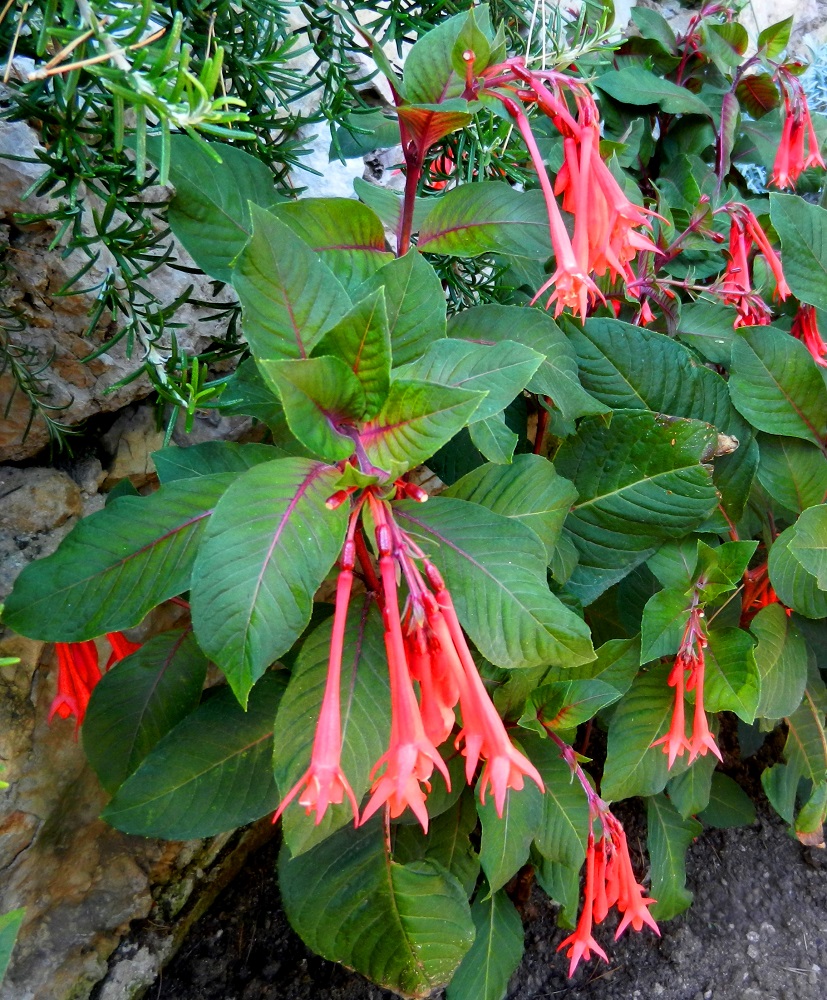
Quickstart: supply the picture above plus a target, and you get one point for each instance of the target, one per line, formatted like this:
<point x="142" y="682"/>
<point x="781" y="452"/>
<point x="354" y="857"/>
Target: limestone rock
<point x="53" y="323"/>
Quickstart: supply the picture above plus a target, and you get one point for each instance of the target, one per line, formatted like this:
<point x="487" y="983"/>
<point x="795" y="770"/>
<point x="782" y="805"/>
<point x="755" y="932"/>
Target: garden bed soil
<point x="757" y="931"/>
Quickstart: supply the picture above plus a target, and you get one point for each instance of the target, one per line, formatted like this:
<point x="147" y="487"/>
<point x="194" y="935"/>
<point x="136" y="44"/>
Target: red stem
<point x="365" y="562"/>
<point x="542" y="427"/>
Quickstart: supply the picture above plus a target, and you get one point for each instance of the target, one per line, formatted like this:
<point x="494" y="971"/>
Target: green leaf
<point x="116" y="565"/>
<point x="707" y="326"/>
<point x="347" y="235"/>
<point x="419" y="926"/>
<point x="447" y="842"/>
<point x="729" y="805"/>
<point x="415" y="304"/>
<point x="780" y="784"/>
<point x="564" y="705"/>
<point x="557" y="376"/>
<point x="210" y="213"/>
<point x="633" y="765"/>
<point x="415" y="421"/>
<point x="781" y="656"/>
<point x="722" y="568"/>
<point x="470" y="39"/>
<point x="802" y="229"/>
<point x="9" y="926"/>
<point x="562" y="885"/>
<point x="564" y="830"/>
<point x="388" y="205"/>
<point x="809" y="543"/>
<point x="640" y="481"/>
<point x="793" y="472"/>
<point x="506" y="839"/>
<point x="272" y="542"/>
<point x="501" y="371"/>
<point x="732" y="682"/>
<point x="806" y="746"/>
<point x="209" y="457"/>
<point x="529" y="491"/>
<point x="669" y="838"/>
<point x="365" y="718"/>
<point x="382" y="132"/>
<point x="795" y="587"/>
<point x="426" y="123"/>
<point x="496" y="572"/>
<point x="775" y="37"/>
<point x="617" y="664"/>
<point x="487" y="217"/>
<point x="362" y="341"/>
<point x="321" y="399"/>
<point x="674" y="563"/>
<point x="288" y="296"/>
<point x="757" y="94"/>
<point x="189" y="786"/>
<point x="674" y="382"/>
<point x="689" y="792"/>
<point x="429" y="71"/>
<point x="775" y="384"/>
<point x="637" y="86"/>
<point x="664" y="622"/>
<point x="494" y="439"/>
<point x="139" y="702"/>
<point x="495" y="954"/>
<point x="809" y="824"/>
<point x="247" y="393"/>
<point x="653" y="25"/>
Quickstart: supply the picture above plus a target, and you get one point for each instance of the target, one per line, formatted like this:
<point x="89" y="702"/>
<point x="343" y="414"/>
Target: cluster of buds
<point x="797" y="132"/>
<point x="606" y="234"/>
<point x="78" y="671"/>
<point x="687" y="674"/>
<point x="745" y="232"/>
<point x="610" y="878"/>
<point x="425" y="646"/>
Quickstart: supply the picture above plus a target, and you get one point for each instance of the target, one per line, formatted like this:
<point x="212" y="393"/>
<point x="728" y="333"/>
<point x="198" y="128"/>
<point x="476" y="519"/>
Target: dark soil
<point x="757" y="931"/>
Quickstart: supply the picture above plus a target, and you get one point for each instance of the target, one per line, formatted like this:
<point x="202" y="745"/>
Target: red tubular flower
<point x="483" y="733"/>
<point x="121" y="647"/>
<point x="581" y="944"/>
<point x="77" y="674"/>
<point x="78" y="671"/>
<point x="690" y="660"/>
<point x="411" y="756"/>
<point x="791" y="160"/>
<point x="744" y="232"/>
<point x="806" y="329"/>
<point x="324" y="782"/>
<point x="702" y="739"/>
<point x="630" y="897"/>
<point x="675" y="741"/>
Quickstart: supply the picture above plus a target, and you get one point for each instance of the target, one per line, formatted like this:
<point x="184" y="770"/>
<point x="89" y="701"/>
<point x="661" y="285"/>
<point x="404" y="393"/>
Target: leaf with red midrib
<point x="758" y="94"/>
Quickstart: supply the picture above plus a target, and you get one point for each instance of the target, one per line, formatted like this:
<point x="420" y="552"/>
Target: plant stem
<point x="365" y="562"/>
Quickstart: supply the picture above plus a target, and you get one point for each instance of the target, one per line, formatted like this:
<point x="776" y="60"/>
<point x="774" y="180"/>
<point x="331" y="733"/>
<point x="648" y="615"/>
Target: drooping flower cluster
<point x="78" y="671"/>
<point x="805" y="327"/>
<point x="745" y="232"/>
<point x="606" y="234"/>
<point x="797" y="134"/>
<point x="425" y="645"/>
<point x="610" y="878"/>
<point x="688" y="675"/>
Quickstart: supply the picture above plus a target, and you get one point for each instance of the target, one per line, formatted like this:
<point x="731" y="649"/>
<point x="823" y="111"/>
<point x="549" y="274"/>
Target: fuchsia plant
<point x="627" y="534"/>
